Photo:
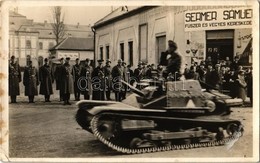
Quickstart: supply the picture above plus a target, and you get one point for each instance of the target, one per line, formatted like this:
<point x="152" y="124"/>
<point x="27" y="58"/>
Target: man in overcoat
<point x="57" y="75"/>
<point x="85" y="80"/>
<point x="31" y="82"/>
<point x="98" y="81"/>
<point x="76" y="76"/>
<point x="67" y="81"/>
<point x="118" y="74"/>
<point x="14" y="79"/>
<point x="46" y="79"/>
<point x="107" y="69"/>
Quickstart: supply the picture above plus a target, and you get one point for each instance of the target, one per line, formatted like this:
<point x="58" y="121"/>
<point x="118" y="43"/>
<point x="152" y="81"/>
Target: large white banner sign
<point x="226" y="18"/>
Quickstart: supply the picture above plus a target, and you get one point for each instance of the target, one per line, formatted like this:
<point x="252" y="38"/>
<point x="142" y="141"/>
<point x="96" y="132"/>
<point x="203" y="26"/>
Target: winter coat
<point x="14" y="79"/>
<point x="57" y="75"/>
<point x="31" y="81"/>
<point x="67" y="86"/>
<point x="86" y="83"/>
<point x="46" y="80"/>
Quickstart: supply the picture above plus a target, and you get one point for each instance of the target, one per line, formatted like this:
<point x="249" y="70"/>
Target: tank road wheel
<point x="135" y="143"/>
<point x="232" y="128"/>
<point x="141" y="143"/>
<point x="107" y="128"/>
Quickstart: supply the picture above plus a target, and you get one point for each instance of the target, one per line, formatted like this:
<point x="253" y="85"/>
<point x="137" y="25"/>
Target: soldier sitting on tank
<point x="173" y="60"/>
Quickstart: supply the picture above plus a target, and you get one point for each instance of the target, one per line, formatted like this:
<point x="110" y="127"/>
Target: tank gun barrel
<point x="135" y="90"/>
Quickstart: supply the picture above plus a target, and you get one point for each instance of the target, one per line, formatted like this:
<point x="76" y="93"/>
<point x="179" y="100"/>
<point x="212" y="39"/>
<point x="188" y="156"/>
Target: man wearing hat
<point x="138" y="72"/>
<point x="98" y="81"/>
<point x="57" y="75"/>
<point x="76" y="76"/>
<point x="85" y="83"/>
<point x="14" y="79"/>
<point x="241" y="85"/>
<point x="67" y="82"/>
<point x="46" y="80"/>
<point x="118" y="74"/>
<point x="31" y="82"/>
<point x="108" y="77"/>
<point x="173" y="60"/>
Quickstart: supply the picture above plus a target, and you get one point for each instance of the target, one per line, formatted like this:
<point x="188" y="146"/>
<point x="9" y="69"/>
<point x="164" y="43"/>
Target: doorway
<point x="161" y="47"/>
<point x="220" y="44"/>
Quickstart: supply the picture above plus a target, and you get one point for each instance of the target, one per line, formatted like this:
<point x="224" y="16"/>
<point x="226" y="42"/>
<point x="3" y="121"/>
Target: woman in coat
<point x="241" y="85"/>
<point x="31" y="82"/>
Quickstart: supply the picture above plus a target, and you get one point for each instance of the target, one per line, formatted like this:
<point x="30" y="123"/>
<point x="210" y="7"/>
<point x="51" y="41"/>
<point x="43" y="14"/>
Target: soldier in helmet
<point x="67" y="81"/>
<point x="98" y="81"/>
<point x="31" y="82"/>
<point x="14" y="79"/>
<point x="76" y="76"/>
<point x="46" y="79"/>
<point x="85" y="82"/>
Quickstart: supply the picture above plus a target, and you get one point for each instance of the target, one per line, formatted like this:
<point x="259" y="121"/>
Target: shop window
<point x="122" y="54"/>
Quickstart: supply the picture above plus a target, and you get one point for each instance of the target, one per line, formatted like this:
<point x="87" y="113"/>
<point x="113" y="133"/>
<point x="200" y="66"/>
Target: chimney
<point x="78" y="25"/>
<point x="45" y="23"/>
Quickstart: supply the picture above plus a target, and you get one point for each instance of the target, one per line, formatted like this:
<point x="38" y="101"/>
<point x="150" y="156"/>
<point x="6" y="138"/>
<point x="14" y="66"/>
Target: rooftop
<point x="75" y="43"/>
<point x="119" y="13"/>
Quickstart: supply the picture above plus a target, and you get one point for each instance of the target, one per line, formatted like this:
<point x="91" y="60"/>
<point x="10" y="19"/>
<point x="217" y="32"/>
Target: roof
<point x="75" y="43"/>
<point x="121" y="13"/>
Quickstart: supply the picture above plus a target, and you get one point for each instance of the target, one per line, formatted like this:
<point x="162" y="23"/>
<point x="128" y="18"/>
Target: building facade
<point x="29" y="39"/>
<point x="141" y="33"/>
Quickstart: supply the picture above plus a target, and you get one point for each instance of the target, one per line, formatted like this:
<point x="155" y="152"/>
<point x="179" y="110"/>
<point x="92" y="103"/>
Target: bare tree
<point x="58" y="23"/>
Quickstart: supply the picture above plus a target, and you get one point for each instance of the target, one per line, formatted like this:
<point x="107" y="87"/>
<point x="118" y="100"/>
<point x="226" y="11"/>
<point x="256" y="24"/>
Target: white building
<point x="141" y="33"/>
<point x="34" y="39"/>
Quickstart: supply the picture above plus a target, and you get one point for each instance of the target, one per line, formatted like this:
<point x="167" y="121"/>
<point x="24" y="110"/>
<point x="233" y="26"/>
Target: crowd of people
<point x="98" y="83"/>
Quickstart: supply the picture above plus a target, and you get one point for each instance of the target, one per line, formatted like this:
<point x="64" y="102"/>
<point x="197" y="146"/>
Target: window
<point x="28" y="44"/>
<point x="161" y="47"/>
<point x="107" y="52"/>
<point x="143" y="42"/>
<point x="130" y="53"/>
<point x="40" y="45"/>
<point x="101" y="52"/>
<point x="122" y="55"/>
<point x="51" y="44"/>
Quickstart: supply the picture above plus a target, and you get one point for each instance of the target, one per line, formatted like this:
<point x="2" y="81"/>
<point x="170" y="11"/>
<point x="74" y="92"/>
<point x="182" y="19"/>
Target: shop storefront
<point x="219" y="33"/>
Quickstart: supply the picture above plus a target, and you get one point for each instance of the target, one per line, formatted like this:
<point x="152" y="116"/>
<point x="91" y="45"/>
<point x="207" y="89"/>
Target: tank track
<point x="98" y="135"/>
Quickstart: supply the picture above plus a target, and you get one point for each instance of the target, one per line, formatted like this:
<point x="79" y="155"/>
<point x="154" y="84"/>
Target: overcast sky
<point x="84" y="15"/>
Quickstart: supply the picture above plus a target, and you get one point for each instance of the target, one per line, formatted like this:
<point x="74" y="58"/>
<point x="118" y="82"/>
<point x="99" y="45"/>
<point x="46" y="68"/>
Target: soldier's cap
<point x="87" y="59"/>
<point x="68" y="58"/>
<point x="108" y="61"/>
<point x="140" y="63"/>
<point x="46" y="59"/>
<point x="12" y="57"/>
<point x="172" y="44"/>
<point x="61" y="59"/>
<point x="100" y="60"/>
<point x="119" y="61"/>
<point x="144" y="63"/>
<point x="77" y="59"/>
<point x="217" y="65"/>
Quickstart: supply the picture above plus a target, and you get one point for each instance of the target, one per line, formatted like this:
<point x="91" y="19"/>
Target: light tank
<point x="161" y="117"/>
